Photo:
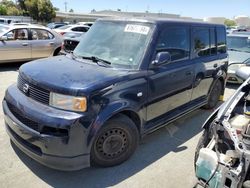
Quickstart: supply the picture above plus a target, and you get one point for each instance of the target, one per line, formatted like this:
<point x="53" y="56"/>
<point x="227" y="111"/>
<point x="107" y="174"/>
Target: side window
<point x="40" y="34"/>
<point x="75" y="29"/>
<point x="213" y="46"/>
<point x="17" y="34"/>
<point x="176" y="41"/>
<point x="80" y="29"/>
<point x="201" y="42"/>
<point x="221" y="40"/>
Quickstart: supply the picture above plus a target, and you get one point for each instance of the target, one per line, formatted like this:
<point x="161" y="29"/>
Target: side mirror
<point x="243" y="73"/>
<point x="3" y="38"/>
<point x="162" y="58"/>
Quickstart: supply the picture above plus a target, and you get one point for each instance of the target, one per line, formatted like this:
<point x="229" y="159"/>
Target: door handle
<point x="188" y="73"/>
<point x="51" y="43"/>
<point x="215" y="65"/>
<point x="25" y="44"/>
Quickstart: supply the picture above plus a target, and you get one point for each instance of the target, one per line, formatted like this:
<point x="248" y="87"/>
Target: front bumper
<point x="59" y="151"/>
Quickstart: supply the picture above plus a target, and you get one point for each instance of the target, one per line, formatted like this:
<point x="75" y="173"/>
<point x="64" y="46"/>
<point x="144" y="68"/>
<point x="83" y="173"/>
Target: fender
<point x="210" y="118"/>
<point x="108" y="112"/>
<point x="221" y="74"/>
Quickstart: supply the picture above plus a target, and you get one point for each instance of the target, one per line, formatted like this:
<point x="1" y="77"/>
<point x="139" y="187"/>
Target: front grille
<point x="33" y="91"/>
<point x="43" y="129"/>
<point x="70" y="45"/>
<point x="26" y="121"/>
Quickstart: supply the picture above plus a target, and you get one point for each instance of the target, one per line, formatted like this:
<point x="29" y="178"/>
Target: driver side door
<point x="170" y="84"/>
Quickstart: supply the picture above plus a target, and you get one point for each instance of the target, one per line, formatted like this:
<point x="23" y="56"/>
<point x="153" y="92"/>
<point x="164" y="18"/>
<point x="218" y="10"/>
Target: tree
<point x="13" y="11"/>
<point x="46" y="10"/>
<point x="229" y="22"/>
<point x="41" y="10"/>
<point x="3" y="10"/>
<point x="11" y="8"/>
<point x="71" y="10"/>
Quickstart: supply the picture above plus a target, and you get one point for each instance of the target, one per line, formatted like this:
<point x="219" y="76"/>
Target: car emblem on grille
<point x="26" y="88"/>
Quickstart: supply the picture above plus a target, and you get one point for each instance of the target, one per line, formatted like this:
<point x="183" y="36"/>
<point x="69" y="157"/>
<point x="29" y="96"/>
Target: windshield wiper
<point x="232" y="49"/>
<point x="97" y="60"/>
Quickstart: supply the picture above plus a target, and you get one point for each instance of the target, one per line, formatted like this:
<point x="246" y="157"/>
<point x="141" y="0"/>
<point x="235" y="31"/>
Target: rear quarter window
<point x="221" y="40"/>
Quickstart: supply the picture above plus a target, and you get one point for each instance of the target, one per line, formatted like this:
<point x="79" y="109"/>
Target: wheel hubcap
<point x="112" y="143"/>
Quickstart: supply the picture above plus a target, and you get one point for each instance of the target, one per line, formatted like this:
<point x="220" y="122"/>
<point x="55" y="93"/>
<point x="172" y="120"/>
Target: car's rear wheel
<point x="115" y="142"/>
<point x="56" y="52"/>
<point x="214" y="95"/>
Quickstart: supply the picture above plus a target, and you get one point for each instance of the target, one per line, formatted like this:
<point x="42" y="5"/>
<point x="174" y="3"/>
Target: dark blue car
<point x="125" y="79"/>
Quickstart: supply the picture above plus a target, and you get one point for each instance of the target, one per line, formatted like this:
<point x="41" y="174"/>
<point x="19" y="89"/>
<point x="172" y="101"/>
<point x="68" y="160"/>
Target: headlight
<point x="67" y="102"/>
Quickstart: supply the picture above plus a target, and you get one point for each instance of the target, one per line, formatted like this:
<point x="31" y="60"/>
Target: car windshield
<point x="123" y="44"/>
<point x="239" y="43"/>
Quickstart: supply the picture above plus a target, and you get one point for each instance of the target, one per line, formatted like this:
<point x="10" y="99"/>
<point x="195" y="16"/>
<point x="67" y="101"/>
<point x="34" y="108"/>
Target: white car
<point x="72" y="29"/>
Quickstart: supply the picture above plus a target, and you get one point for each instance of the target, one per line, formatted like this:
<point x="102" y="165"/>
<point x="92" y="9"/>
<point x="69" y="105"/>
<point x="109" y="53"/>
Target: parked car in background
<point x="3" y="28"/>
<point x="239" y="52"/>
<point x="72" y="29"/>
<point x="27" y="42"/>
<point x="86" y="23"/>
<point x="70" y="41"/>
<point x="56" y="25"/>
<point x="5" y="21"/>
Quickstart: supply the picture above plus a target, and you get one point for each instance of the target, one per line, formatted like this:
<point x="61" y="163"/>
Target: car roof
<point x="160" y="20"/>
<point x="77" y="25"/>
<point x="238" y="35"/>
<point x="27" y="26"/>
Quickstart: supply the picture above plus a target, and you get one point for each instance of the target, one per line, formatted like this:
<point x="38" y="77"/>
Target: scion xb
<point x="125" y="79"/>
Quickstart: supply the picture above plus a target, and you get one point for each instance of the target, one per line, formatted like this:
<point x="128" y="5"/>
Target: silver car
<point x="239" y="54"/>
<point x="28" y="42"/>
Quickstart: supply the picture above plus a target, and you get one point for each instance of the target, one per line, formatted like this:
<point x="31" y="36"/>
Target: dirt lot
<point x="163" y="159"/>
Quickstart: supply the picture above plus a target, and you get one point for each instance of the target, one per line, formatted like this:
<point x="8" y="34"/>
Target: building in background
<point x="242" y="21"/>
<point x="218" y="20"/>
<point x="81" y="17"/>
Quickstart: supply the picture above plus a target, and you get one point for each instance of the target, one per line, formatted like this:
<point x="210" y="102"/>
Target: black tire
<point x="214" y="95"/>
<point x="56" y="52"/>
<point x="115" y="142"/>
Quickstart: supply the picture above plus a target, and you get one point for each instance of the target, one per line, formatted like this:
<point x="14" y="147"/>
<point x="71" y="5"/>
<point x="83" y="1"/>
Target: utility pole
<point x="65" y="5"/>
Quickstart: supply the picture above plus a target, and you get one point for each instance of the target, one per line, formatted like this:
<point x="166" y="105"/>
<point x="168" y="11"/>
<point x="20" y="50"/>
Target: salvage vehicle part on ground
<point x="222" y="155"/>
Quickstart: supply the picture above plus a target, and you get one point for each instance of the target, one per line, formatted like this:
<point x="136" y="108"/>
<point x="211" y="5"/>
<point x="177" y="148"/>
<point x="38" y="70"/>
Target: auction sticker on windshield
<point x="137" y="29"/>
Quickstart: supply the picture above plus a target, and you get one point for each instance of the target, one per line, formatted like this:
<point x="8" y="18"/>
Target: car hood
<point x="237" y="57"/>
<point x="67" y="76"/>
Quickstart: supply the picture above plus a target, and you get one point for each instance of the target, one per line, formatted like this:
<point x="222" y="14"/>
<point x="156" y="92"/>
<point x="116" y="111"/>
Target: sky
<point x="190" y="8"/>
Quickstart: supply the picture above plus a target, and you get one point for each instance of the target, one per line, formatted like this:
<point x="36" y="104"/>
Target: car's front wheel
<point x="115" y="142"/>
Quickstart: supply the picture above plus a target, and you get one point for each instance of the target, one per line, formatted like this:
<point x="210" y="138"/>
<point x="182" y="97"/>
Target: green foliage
<point x="3" y="10"/>
<point x="9" y="8"/>
<point x="40" y="10"/>
<point x="229" y="22"/>
<point x="71" y="10"/>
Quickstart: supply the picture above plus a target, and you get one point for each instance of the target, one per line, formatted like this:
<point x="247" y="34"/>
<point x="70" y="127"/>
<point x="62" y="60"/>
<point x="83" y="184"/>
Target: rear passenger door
<point x="170" y="85"/>
<point x="204" y="54"/>
<point x="43" y="43"/>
